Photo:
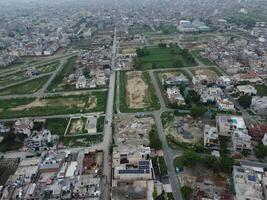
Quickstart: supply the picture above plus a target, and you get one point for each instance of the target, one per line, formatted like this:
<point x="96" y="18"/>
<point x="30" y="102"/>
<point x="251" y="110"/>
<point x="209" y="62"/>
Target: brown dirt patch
<point x="136" y="90"/>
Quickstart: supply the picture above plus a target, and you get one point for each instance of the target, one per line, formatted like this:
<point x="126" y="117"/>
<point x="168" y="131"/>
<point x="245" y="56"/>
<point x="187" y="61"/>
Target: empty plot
<point x="93" y="102"/>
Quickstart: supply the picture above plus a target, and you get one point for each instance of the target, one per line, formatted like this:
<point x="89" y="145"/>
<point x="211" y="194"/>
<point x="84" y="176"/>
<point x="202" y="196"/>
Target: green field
<point x="168" y="57"/>
<point x="12" y="78"/>
<point x="57" y="126"/>
<point x="58" y="83"/>
<point x="261" y="90"/>
<point x="100" y="124"/>
<point x="93" y="102"/>
<point x="28" y="87"/>
<point x="49" y="67"/>
<point x="151" y="99"/>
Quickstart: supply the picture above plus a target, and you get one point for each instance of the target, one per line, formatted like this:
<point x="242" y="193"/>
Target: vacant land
<point x="209" y="72"/>
<point x="82" y="141"/>
<point x="59" y="83"/>
<point x="28" y="87"/>
<point x="137" y="92"/>
<point x="76" y="126"/>
<point x="12" y="78"/>
<point x="168" y="57"/>
<point x="93" y="102"/>
<point x="57" y="126"/>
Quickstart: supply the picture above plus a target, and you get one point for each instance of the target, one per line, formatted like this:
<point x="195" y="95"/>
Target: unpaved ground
<point x="129" y="50"/>
<point x="168" y="74"/>
<point x="67" y="102"/>
<point x="190" y="126"/>
<point x="136" y="90"/>
<point x="209" y="73"/>
<point x="76" y="126"/>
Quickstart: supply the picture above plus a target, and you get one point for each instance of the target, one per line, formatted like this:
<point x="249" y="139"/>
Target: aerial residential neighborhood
<point x="133" y="100"/>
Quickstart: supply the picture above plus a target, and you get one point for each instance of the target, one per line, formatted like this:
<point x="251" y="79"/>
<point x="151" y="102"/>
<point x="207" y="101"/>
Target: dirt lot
<point x="132" y="131"/>
<point x="168" y="74"/>
<point x="205" y="182"/>
<point x="209" y="73"/>
<point x="76" y="126"/>
<point x="129" y="50"/>
<point x="136" y="90"/>
<point x="188" y="125"/>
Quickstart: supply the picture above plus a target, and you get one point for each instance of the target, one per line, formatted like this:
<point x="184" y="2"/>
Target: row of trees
<point x="224" y="163"/>
<point x="141" y="52"/>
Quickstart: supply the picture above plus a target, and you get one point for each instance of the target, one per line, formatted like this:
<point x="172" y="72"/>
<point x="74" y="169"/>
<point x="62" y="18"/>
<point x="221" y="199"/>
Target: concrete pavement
<point x="106" y="193"/>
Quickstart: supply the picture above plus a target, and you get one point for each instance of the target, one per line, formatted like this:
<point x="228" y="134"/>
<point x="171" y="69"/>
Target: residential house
<point x="247" y="183"/>
<point x="4" y="128"/>
<point x="23" y="126"/>
<point x="259" y="105"/>
<point x="225" y="104"/>
<point x="175" y="96"/>
<point x="211" y="137"/>
<point x="175" y="80"/>
<point x="91" y="125"/>
<point x="246" y="90"/>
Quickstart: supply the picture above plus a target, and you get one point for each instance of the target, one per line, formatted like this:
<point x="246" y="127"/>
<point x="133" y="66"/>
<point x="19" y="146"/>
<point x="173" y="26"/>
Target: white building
<point x="175" y="96"/>
<point x="234" y="127"/>
<point x="259" y="105"/>
<point x="211" y="137"/>
<point x="264" y="140"/>
<point x="228" y="124"/>
<point x="246" y="90"/>
<point x="241" y="141"/>
<point x="225" y="104"/>
<point x="247" y="183"/>
<point x="91" y="125"/>
<point x="81" y="82"/>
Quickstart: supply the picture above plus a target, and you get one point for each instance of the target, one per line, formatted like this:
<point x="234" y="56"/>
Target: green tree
<point x="186" y="192"/>
<point x="261" y="151"/>
<point x="212" y="162"/>
<point x="179" y="63"/>
<point x="245" y="101"/>
<point x="198" y="111"/>
<point x="190" y="158"/>
<point x="226" y="164"/>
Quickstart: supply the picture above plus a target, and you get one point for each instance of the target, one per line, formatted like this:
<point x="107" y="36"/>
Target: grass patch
<point x="49" y="67"/>
<point x="12" y="142"/>
<point x="151" y="97"/>
<point x="29" y="87"/>
<point x="82" y="141"/>
<point x="261" y="90"/>
<point x="100" y="124"/>
<point x="159" y="166"/>
<point x="59" y="79"/>
<point x="12" y="78"/>
<point x="57" y="126"/>
<point x="168" y="57"/>
<point x="93" y="102"/>
<point x="154" y="139"/>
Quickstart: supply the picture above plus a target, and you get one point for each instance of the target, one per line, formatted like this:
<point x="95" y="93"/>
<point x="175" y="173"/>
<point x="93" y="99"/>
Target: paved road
<point x="107" y="128"/>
